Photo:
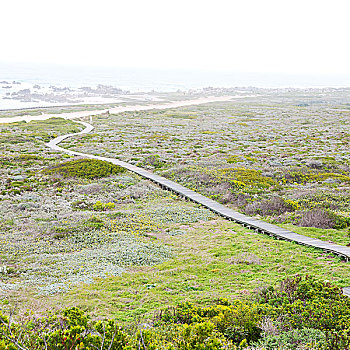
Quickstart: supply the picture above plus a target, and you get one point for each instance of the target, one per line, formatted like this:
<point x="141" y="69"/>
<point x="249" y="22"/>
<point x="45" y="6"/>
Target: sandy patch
<point x="120" y="109"/>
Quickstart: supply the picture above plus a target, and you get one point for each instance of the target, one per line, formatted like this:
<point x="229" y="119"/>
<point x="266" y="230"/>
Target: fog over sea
<point x="146" y="80"/>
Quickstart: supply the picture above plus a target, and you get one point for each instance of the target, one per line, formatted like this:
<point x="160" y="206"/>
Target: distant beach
<point x="81" y="114"/>
<point x="30" y="85"/>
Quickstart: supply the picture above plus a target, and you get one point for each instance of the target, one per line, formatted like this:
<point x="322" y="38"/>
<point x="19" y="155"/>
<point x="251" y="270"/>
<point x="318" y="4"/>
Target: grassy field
<point x="119" y="246"/>
<point x="286" y="160"/>
<point x="213" y="260"/>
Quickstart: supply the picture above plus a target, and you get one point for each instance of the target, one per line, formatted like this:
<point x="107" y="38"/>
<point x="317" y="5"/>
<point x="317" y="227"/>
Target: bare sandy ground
<point x="120" y="109"/>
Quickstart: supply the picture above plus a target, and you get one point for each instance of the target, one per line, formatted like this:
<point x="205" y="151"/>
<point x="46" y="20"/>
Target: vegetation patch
<point x="273" y="206"/>
<point x="86" y="169"/>
<point x="153" y="161"/>
<point x="179" y="214"/>
<point x="305" y="177"/>
<point x="301" y="313"/>
<point x="120" y="247"/>
<point x="323" y="218"/>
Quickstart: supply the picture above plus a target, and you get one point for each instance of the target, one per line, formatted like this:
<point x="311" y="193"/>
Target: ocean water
<point x="145" y="80"/>
<point x="160" y="80"/>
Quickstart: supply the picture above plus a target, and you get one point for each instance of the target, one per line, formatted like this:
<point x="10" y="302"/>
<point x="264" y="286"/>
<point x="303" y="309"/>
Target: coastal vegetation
<point x="301" y="313"/>
<point x="281" y="159"/>
<point x="85" y="168"/>
<point x="100" y="255"/>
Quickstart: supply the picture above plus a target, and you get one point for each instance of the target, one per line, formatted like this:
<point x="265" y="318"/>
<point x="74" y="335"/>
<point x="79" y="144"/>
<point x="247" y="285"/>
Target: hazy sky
<point x="236" y="35"/>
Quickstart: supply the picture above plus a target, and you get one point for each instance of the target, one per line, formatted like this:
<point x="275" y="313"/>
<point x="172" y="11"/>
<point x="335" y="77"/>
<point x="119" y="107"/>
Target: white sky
<point x="237" y="35"/>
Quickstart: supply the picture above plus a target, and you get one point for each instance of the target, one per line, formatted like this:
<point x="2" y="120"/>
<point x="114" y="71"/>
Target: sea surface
<point x="146" y="80"/>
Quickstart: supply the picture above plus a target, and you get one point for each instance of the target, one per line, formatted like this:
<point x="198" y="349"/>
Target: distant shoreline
<point x="47" y="107"/>
<point x="120" y="109"/>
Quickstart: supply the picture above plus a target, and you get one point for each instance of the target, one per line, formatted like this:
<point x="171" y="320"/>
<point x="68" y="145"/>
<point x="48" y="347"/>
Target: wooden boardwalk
<point x="249" y="222"/>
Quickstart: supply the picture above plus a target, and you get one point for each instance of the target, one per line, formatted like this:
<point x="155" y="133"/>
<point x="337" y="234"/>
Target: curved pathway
<point x="249" y="222"/>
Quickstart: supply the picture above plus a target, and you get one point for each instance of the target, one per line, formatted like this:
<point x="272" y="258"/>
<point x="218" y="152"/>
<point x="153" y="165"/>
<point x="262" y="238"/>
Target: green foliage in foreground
<point x="302" y="313"/>
<point x="86" y="168"/>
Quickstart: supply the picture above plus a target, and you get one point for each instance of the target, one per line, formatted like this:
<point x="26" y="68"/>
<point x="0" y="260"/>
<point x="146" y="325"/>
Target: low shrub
<point x="99" y="206"/>
<point x="234" y="159"/>
<point x="304" y="338"/>
<point x="90" y="189"/>
<point x="303" y="176"/>
<point x="154" y="161"/>
<point x="237" y="321"/>
<point x="302" y="313"/>
<point x="273" y="206"/>
<point x="81" y="205"/>
<point x="94" y="223"/>
<point x="308" y="303"/>
<point x="72" y="329"/>
<point x="323" y="218"/>
<point x="85" y="168"/>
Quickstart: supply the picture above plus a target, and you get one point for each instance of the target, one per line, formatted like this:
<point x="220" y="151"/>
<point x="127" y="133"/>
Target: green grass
<point x="241" y="153"/>
<point x="336" y="236"/>
<point x="214" y="259"/>
<point x="37" y="131"/>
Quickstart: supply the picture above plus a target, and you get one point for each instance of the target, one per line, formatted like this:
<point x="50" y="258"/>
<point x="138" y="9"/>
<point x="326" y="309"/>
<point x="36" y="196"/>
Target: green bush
<point x="99" y="206"/>
<point x="305" y="313"/>
<point x="198" y="336"/>
<point x="303" y="176"/>
<point x="92" y="224"/>
<point x="323" y="218"/>
<point x="85" y="168"/>
<point x="70" y="330"/>
<point x="305" y="338"/>
<point x="154" y="161"/>
<point x="237" y="322"/>
<point x="272" y="206"/>
<point x="308" y="303"/>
